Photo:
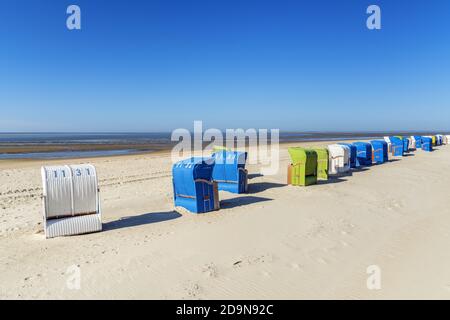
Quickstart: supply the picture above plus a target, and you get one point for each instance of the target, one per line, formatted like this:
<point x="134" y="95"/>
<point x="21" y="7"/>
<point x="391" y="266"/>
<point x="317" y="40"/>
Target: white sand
<point x="276" y="242"/>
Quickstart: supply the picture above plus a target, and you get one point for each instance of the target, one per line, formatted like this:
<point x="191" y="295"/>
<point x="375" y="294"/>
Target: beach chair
<point x="427" y="144"/>
<point x="388" y="141"/>
<point x="418" y="141"/>
<point x="405" y="144"/>
<point x="448" y="139"/>
<point x="364" y="153"/>
<point x="379" y="151"/>
<point x="71" y="200"/>
<point x="439" y="139"/>
<point x="322" y="163"/>
<point x="193" y="186"/>
<point x="354" y="163"/>
<point x="397" y="147"/>
<point x="433" y="140"/>
<point x="412" y="143"/>
<point x="339" y="159"/>
<point x="303" y="169"/>
<point x="229" y="171"/>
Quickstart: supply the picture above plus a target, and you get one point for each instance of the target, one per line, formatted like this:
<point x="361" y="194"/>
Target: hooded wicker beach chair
<point x="354" y="163"/>
<point x="193" y="186"/>
<point x="427" y="144"/>
<point x="303" y="169"/>
<point x="379" y="151"/>
<point x="339" y="159"/>
<point x="397" y="146"/>
<point x="322" y="163"/>
<point x="229" y="171"/>
<point x="71" y="200"/>
<point x="364" y="153"/>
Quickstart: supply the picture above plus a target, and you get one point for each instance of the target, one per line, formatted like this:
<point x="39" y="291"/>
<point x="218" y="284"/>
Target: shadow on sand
<point x="331" y="180"/>
<point x="254" y="175"/>
<point x="241" y="201"/>
<point x="263" y="186"/>
<point x="134" y="221"/>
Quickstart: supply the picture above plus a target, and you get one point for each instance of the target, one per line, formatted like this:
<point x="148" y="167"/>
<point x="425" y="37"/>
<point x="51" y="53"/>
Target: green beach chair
<point x="322" y="163"/>
<point x="303" y="170"/>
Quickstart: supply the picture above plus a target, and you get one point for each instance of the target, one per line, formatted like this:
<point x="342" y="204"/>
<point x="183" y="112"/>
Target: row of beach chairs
<point x="312" y="164"/>
<point x="71" y="194"/>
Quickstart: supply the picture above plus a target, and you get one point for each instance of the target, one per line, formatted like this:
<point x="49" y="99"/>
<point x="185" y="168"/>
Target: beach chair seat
<point x="379" y="151"/>
<point x="229" y="171"/>
<point x="71" y="200"/>
<point x="364" y="153"/>
<point x="339" y="159"/>
<point x="193" y="186"/>
<point x="303" y="169"/>
<point x="322" y="163"/>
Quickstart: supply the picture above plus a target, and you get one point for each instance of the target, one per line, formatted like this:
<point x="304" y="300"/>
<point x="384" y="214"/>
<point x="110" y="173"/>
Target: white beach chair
<point x="389" y="142"/>
<point x="339" y="159"/>
<point x="71" y="200"/>
<point x="442" y="138"/>
<point x="412" y="143"/>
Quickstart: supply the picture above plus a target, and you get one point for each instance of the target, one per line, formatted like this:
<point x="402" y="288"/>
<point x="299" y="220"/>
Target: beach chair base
<point x="296" y="177"/>
<point x="73" y="226"/>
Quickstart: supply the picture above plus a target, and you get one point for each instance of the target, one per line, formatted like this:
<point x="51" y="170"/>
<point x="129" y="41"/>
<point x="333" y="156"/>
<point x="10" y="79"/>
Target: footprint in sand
<point x="210" y="270"/>
<point x="322" y="261"/>
<point x="192" y="290"/>
<point x="296" y="266"/>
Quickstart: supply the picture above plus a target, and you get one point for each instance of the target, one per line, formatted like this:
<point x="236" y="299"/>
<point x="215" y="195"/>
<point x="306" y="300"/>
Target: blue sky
<point x="159" y="65"/>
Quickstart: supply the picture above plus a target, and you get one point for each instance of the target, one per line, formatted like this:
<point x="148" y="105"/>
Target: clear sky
<point x="159" y="65"/>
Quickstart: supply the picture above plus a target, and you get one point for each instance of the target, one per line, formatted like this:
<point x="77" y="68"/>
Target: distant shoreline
<point x="72" y="146"/>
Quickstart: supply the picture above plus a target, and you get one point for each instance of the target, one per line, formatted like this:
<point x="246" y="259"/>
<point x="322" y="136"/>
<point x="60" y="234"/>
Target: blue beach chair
<point x="229" y="171"/>
<point x="193" y="186"/>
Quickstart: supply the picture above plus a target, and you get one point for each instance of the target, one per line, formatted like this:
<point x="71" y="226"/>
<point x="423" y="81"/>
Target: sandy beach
<point x="277" y="242"/>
